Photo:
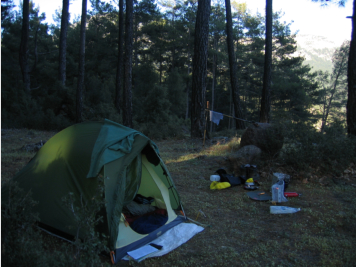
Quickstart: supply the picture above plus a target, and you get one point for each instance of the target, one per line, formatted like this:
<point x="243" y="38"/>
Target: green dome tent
<point x="129" y="162"/>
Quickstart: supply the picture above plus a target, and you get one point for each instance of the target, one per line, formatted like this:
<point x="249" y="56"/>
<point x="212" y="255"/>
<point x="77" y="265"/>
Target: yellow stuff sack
<point x="219" y="185"/>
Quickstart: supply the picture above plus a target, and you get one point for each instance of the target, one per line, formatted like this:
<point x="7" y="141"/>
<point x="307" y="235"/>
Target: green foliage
<point x="23" y="243"/>
<point x="87" y="249"/>
<point x="176" y="95"/>
<point x="153" y="115"/>
<point x="162" y="60"/>
<point x="306" y="147"/>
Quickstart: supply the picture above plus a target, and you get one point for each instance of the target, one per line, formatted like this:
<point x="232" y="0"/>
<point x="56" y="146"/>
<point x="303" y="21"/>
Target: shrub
<point x="306" y="148"/>
<point x="23" y="243"/>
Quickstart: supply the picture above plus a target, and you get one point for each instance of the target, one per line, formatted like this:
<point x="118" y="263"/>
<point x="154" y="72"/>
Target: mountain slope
<point x="317" y="50"/>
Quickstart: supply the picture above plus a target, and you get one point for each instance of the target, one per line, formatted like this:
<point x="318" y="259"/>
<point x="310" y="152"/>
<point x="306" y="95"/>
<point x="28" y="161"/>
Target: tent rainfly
<point x="129" y="163"/>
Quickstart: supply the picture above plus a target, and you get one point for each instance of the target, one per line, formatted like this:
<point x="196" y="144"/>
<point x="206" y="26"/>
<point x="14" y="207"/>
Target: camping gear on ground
<point x="214" y="178"/>
<point x="138" y="209"/>
<point x="249" y="180"/>
<point x="72" y="162"/>
<point x="250" y="171"/>
<point x="291" y="194"/>
<point x="142" y="253"/>
<point x="143" y="200"/>
<point x="219" y="185"/>
<point x="232" y="180"/>
<point x="282" y="210"/>
<point x="281" y="176"/>
<point x="250" y="185"/>
<point x="174" y="237"/>
<point x="200" y="212"/>
<point x="148" y="223"/>
<point x="259" y="195"/>
<point x="278" y="192"/>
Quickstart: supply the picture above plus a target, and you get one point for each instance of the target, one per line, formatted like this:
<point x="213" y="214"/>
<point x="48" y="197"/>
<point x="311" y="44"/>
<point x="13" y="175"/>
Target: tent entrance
<point x="151" y="186"/>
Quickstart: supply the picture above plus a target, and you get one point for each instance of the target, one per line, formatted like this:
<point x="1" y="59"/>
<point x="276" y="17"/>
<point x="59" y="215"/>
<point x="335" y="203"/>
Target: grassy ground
<point x="241" y="232"/>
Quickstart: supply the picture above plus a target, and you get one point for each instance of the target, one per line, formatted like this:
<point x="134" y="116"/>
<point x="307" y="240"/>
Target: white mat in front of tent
<point x="175" y="237"/>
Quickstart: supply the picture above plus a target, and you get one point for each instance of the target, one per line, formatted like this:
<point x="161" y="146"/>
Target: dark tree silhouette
<point x="63" y="42"/>
<point x="127" y="92"/>
<point x="120" y="60"/>
<point x="23" y="55"/>
<point x="200" y="68"/>
<point x="266" y="89"/>
<point x="233" y="68"/>
<point x="81" y="71"/>
<point x="351" y="79"/>
<point x="351" y="70"/>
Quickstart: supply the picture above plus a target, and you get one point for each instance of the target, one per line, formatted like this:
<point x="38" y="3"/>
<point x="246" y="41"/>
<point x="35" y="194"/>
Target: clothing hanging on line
<point x="215" y="117"/>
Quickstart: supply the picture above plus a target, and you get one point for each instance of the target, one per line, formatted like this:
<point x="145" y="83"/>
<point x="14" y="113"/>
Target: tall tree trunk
<point x="187" y="87"/>
<point x="266" y="90"/>
<point x="35" y="51"/>
<point x="127" y="93"/>
<point x="233" y="67"/>
<point x="351" y="79"/>
<point x="63" y="43"/>
<point x="23" y="55"/>
<point x="81" y="71"/>
<point x="200" y="68"/>
<point x="120" y="61"/>
<point x="135" y="45"/>
<point x="215" y="45"/>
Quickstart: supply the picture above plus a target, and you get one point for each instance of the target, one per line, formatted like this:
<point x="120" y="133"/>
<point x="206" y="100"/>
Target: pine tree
<point x="81" y="70"/>
<point x="23" y="55"/>
<point x="200" y="68"/>
<point x="266" y="90"/>
<point x="351" y="76"/>
<point x="233" y="68"/>
<point x="127" y="93"/>
<point x="63" y="43"/>
<point x="335" y="91"/>
<point x="120" y="60"/>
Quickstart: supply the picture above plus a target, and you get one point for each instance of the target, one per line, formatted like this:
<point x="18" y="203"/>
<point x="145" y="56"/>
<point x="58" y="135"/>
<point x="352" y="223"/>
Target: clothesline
<point x="217" y="114"/>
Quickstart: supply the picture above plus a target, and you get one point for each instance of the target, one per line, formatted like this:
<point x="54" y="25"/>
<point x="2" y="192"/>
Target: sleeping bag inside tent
<point x="141" y="200"/>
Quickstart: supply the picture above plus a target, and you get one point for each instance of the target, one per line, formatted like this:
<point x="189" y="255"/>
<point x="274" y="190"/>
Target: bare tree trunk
<point x="187" y="89"/>
<point x="351" y="78"/>
<point x="63" y="43"/>
<point x="233" y="67"/>
<point x="23" y="55"/>
<point x="216" y="38"/>
<point x="35" y="51"/>
<point x="120" y="61"/>
<point x="160" y="69"/>
<point x="127" y="93"/>
<point x="266" y="90"/>
<point x="135" y="45"/>
<point x="81" y="70"/>
<point x="230" y="110"/>
<point x="200" y="68"/>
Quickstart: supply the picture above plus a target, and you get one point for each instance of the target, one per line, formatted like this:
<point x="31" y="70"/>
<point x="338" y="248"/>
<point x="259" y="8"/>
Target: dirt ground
<point x="238" y="230"/>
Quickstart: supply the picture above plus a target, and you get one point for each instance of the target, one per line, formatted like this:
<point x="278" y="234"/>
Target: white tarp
<point x="175" y="237"/>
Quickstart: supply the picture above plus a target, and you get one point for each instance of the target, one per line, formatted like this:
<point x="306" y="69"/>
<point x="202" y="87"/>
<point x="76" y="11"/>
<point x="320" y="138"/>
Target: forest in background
<point x="163" y="46"/>
<point x="317" y="153"/>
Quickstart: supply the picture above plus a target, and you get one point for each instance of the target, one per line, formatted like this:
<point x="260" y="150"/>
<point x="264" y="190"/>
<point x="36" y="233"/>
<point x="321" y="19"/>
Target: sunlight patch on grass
<point x="218" y="149"/>
<point x="222" y="149"/>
